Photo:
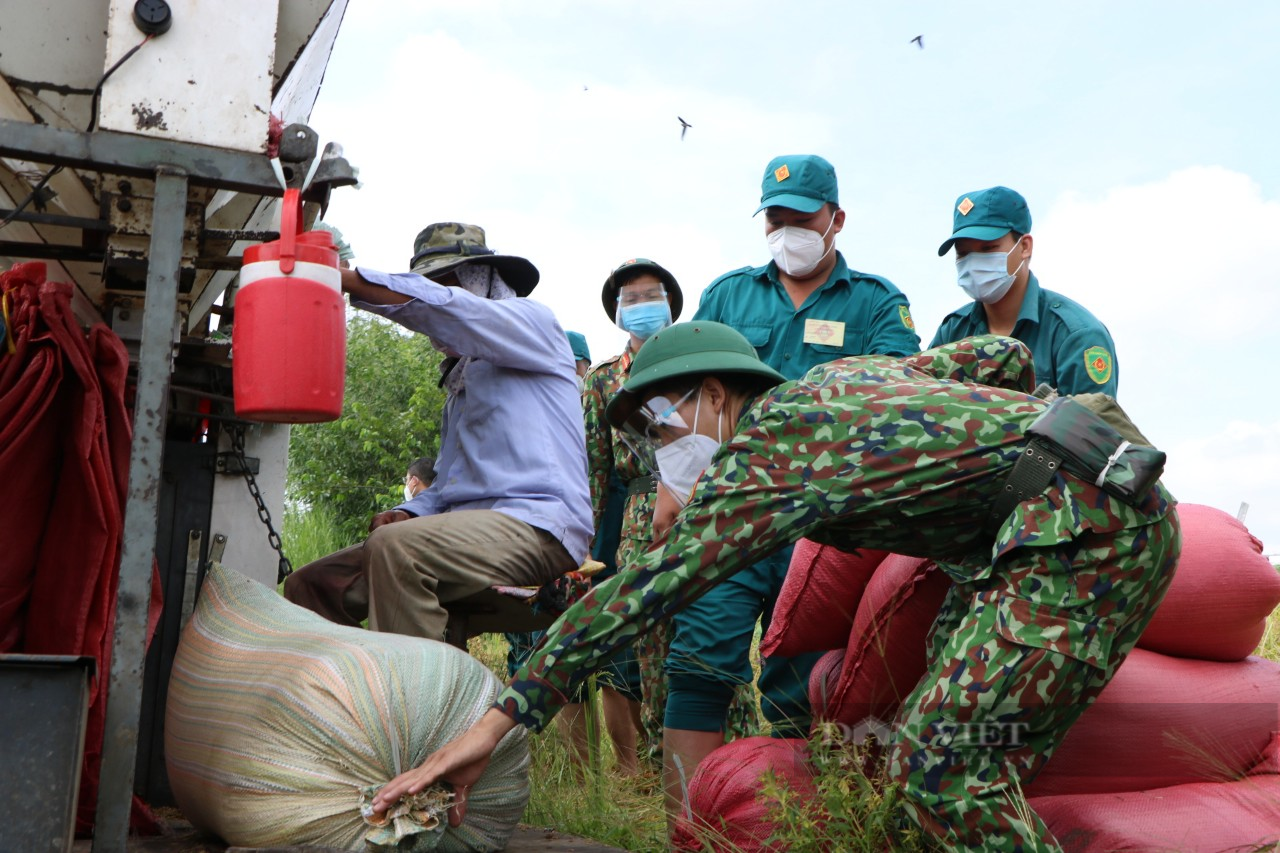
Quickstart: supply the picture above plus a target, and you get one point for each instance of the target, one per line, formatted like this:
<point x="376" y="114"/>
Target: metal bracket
<point x="219" y="545"/>
<point x="229" y="463"/>
<point x="194" y="540"/>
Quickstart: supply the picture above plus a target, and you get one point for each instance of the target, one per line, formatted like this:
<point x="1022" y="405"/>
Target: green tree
<point x="353" y="467"/>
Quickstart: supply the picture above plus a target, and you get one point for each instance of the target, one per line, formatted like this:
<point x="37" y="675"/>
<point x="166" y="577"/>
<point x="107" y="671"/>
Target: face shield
<point x="654" y="424"/>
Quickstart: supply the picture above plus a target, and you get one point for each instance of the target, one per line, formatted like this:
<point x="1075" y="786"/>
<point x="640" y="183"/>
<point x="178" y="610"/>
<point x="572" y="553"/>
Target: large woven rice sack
<point x="279" y="723"/>
<point x="819" y="598"/>
<point x="725" y="810"/>
<point x="885" y="657"/>
<point x="1202" y="817"/>
<point x="1224" y="590"/>
<point x="1166" y="721"/>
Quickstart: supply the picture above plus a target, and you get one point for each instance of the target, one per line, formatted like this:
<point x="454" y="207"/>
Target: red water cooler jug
<point x="289" y="341"/>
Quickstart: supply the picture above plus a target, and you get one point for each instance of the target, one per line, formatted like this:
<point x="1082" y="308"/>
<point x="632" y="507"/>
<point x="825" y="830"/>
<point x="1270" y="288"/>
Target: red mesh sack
<point x="725" y="811"/>
<point x="816" y="604"/>
<point x="823" y="679"/>
<point x="1168" y="721"/>
<point x="885" y="658"/>
<point x="1221" y="595"/>
<point x="1202" y="816"/>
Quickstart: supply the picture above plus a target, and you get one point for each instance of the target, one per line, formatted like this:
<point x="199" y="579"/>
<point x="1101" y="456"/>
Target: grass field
<point x="627" y="814"/>
<point x="595" y="802"/>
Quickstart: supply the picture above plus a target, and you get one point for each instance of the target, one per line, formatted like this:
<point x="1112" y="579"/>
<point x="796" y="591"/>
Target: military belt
<point x="1031" y="475"/>
<point x="641" y="486"/>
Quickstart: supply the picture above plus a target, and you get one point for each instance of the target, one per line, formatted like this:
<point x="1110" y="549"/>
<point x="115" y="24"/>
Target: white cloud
<point x="577" y="181"/>
<point x="1184" y="271"/>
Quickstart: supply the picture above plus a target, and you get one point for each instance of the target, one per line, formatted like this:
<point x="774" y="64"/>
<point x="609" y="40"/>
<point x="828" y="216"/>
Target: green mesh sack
<point x="280" y="723"/>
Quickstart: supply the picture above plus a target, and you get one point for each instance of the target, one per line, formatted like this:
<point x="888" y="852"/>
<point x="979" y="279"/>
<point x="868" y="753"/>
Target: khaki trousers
<point x="404" y="574"/>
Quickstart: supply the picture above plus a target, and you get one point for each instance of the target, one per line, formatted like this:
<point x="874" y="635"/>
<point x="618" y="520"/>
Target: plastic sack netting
<point x="1224" y="590"/>
<point x="725" y="809"/>
<point x="885" y="657"/>
<point x="1201" y="817"/>
<point x="276" y="718"/>
<point x="1165" y="721"/>
<point x="818" y="599"/>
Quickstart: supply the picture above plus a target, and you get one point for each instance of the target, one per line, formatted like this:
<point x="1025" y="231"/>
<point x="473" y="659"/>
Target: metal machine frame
<point x="175" y="167"/>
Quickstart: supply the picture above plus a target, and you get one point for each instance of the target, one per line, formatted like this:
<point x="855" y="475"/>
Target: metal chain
<point x="237" y="446"/>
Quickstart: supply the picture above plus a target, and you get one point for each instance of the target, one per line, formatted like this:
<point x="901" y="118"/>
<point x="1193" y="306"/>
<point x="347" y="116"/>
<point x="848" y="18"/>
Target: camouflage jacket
<point x="606" y="454"/>
<point x="905" y="455"/>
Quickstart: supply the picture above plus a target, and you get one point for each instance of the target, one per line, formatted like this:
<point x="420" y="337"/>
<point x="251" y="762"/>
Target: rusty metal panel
<point x="207" y="80"/>
<point x="44" y="702"/>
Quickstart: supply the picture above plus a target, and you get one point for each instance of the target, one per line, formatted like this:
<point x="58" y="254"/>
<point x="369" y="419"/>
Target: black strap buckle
<point x="1031" y="475"/>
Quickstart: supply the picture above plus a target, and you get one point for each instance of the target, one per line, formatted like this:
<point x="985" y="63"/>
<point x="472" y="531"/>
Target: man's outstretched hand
<point x="460" y="763"/>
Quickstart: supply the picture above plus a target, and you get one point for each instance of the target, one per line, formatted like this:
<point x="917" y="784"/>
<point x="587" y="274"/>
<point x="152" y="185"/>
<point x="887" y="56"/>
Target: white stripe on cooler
<point x="331" y="276"/>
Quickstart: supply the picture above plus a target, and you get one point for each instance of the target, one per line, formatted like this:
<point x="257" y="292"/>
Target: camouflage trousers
<point x="1014" y="660"/>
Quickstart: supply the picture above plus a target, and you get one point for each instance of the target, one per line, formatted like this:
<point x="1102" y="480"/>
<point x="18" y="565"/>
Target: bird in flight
<point x="919" y="40"/>
<point x="684" y="125"/>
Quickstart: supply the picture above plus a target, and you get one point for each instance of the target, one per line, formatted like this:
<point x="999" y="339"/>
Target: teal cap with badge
<point x="803" y="182"/>
<point x="988" y="215"/>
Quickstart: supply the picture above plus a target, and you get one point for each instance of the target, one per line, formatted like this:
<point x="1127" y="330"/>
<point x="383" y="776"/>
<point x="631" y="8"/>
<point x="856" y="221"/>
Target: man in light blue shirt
<point x="510" y="502"/>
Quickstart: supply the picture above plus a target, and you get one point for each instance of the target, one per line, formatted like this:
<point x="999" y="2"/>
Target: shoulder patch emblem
<point x="1098" y="364"/>
<point x="905" y="313"/>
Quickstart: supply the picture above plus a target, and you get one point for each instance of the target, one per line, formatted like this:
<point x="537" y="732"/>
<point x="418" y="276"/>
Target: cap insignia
<point x="965" y="206"/>
<point x="781" y="173"/>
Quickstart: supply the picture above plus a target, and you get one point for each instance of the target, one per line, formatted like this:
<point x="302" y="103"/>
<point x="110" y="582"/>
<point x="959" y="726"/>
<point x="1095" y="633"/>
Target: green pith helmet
<point x="691" y="349"/>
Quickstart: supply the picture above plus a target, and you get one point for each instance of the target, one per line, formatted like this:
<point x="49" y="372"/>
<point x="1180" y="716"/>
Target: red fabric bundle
<point x="1221" y="595"/>
<point x="725" y="812"/>
<point x="885" y="658"/>
<point x="1168" y="721"/>
<point x="817" y="602"/>
<point x="64" y="451"/>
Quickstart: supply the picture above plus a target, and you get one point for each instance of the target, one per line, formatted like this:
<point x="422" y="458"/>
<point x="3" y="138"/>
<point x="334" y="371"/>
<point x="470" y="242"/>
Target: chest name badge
<point x="829" y="332"/>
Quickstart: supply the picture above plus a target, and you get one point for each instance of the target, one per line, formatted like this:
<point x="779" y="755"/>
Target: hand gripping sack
<point x="277" y="719"/>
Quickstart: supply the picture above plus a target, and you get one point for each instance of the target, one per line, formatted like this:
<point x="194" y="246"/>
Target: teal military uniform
<point x="1072" y="349"/>
<point x="853" y="313"/>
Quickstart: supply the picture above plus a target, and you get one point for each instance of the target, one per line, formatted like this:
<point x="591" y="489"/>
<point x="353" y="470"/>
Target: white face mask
<point x="408" y="493"/>
<point x="798" y="251"/>
<point x="985" y="276"/>
<point x="682" y="462"/>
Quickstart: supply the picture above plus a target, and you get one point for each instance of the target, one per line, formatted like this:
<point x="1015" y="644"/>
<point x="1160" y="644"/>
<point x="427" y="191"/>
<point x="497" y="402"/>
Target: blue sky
<point x="1143" y="134"/>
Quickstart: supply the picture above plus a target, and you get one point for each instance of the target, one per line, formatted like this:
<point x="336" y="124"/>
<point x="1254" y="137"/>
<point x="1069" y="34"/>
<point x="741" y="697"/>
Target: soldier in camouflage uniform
<point x="906" y="455"/>
<point x="640" y="297"/>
